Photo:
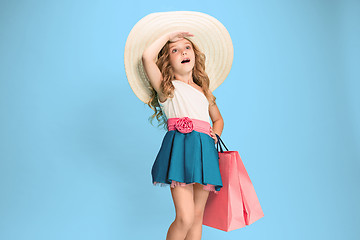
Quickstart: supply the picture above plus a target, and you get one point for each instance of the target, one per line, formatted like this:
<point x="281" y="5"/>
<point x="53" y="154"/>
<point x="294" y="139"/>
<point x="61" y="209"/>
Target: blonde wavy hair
<point x="199" y="75"/>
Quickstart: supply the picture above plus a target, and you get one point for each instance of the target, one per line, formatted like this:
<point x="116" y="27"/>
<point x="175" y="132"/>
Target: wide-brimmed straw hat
<point x="210" y="36"/>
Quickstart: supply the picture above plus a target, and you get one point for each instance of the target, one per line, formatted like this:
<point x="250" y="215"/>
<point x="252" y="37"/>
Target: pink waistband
<point x="186" y="125"/>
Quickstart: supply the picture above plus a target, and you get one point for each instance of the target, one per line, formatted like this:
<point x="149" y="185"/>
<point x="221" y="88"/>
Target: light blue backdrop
<point x="77" y="147"/>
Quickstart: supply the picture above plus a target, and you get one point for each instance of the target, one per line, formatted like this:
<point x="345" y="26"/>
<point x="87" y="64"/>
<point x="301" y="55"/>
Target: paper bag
<point x="236" y="204"/>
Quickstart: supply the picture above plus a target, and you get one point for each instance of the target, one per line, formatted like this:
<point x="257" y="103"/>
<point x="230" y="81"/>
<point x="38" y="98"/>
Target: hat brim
<point x="210" y="36"/>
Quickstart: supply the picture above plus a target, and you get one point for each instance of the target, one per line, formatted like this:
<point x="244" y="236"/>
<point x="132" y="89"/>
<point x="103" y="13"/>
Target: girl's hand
<point x="213" y="135"/>
<point x="177" y="35"/>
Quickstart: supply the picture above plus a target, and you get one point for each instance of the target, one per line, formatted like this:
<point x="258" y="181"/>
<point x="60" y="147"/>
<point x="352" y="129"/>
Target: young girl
<point x="187" y="159"/>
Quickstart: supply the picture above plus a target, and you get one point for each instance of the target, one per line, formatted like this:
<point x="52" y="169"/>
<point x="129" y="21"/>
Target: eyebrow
<point x="184" y="44"/>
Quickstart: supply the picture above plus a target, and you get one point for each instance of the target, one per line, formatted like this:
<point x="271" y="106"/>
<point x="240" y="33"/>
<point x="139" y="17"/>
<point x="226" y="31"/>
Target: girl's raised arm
<point x="149" y="57"/>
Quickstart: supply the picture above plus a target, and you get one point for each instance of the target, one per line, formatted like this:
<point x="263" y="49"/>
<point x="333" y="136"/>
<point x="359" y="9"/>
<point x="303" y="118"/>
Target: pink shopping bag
<point x="236" y="205"/>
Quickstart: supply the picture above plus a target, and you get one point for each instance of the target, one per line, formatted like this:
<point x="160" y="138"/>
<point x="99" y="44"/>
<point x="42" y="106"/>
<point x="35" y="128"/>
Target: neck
<point x="186" y="78"/>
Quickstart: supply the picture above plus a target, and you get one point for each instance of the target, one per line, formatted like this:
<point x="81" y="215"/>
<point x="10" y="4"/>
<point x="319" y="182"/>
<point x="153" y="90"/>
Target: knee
<point x="198" y="215"/>
<point x="185" y="221"/>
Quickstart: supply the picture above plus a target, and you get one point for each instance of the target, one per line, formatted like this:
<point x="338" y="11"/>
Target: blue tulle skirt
<point x="187" y="158"/>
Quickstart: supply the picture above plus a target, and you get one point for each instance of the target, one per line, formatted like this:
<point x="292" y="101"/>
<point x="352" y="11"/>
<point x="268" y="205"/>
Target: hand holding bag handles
<point x="236" y="205"/>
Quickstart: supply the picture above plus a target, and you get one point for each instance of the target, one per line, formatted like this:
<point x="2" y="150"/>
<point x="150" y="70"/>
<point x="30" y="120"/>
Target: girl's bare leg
<point x="185" y="209"/>
<point x="200" y="198"/>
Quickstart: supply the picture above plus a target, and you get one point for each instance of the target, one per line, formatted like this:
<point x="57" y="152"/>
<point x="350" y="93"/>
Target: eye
<point x="188" y="47"/>
<point x="173" y="50"/>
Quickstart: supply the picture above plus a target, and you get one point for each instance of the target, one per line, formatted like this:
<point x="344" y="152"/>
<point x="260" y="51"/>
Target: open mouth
<point x="186" y="60"/>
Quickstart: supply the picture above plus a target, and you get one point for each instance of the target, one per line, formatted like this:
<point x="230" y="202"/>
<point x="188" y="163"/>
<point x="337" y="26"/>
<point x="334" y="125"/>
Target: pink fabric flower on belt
<point x="184" y="125"/>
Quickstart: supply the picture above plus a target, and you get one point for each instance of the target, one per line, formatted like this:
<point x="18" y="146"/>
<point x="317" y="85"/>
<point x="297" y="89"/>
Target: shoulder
<point x="212" y="98"/>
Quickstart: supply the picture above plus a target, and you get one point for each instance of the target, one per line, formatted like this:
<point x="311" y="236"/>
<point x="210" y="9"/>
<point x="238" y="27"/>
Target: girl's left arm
<point x="218" y="122"/>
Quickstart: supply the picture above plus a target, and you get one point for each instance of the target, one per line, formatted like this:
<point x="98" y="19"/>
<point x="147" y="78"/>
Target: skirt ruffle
<point x="208" y="187"/>
<point x="187" y="158"/>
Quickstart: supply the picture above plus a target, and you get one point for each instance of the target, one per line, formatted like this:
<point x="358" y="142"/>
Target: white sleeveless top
<point x="187" y="102"/>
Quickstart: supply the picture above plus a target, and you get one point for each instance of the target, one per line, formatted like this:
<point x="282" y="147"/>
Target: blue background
<point x="77" y="147"/>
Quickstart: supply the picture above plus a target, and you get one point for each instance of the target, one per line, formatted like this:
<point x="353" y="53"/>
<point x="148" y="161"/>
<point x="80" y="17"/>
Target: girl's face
<point x="181" y="56"/>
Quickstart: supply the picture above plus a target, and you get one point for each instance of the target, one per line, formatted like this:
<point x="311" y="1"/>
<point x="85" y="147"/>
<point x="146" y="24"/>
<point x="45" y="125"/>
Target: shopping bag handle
<point x="218" y="144"/>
